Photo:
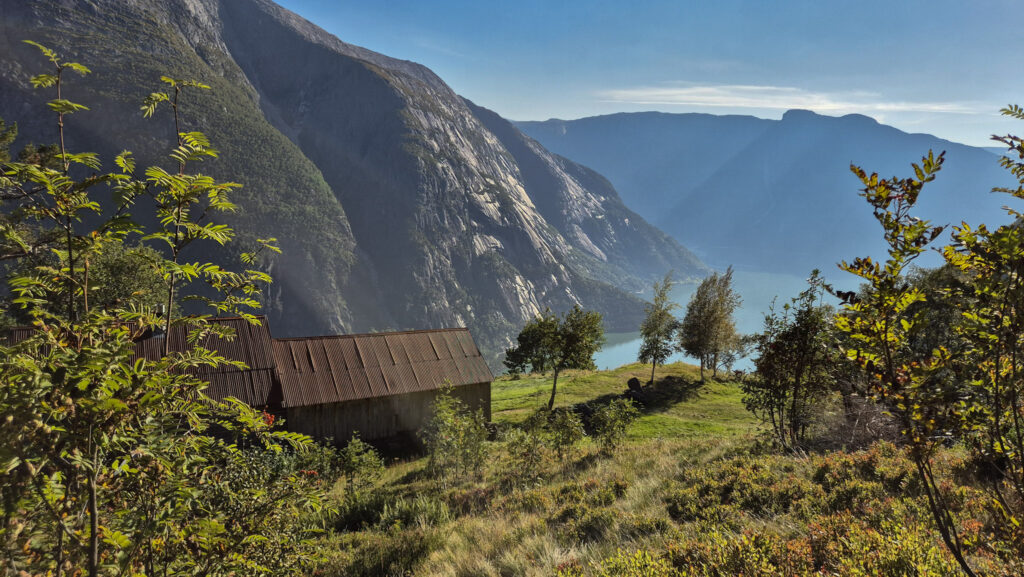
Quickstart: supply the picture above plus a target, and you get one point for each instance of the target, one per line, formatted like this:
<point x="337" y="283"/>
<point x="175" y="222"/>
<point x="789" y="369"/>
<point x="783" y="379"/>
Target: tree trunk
<point x="653" y="367"/>
<point x="94" y="526"/>
<point x="554" y="387"/>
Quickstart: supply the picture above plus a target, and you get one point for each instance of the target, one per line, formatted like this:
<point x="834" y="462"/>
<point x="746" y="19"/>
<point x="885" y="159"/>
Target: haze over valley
<point x="533" y="289"/>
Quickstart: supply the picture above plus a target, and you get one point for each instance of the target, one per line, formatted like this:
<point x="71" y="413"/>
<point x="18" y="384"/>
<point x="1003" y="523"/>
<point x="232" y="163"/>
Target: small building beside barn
<point x="378" y="385"/>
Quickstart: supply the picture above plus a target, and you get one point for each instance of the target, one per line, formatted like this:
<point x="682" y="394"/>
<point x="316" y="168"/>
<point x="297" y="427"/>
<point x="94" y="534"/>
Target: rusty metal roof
<point x="331" y="369"/>
<point x="251" y="345"/>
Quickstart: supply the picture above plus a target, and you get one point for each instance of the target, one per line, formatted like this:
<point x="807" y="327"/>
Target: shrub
<point x="361" y="465"/>
<point x="533" y="501"/>
<point x="643" y="526"/>
<point x="566" y="430"/>
<point x="470" y="501"/>
<point x="639" y="564"/>
<point x="421" y="512"/>
<point x="611" y="422"/>
<point x="528" y="455"/>
<point x="582" y="524"/>
<point x="455" y="438"/>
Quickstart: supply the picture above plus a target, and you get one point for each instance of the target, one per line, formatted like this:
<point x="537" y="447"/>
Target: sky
<point x="942" y="67"/>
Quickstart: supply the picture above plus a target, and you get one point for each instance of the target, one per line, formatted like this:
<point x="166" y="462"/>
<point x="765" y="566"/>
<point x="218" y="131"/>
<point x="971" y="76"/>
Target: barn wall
<point x="381" y="417"/>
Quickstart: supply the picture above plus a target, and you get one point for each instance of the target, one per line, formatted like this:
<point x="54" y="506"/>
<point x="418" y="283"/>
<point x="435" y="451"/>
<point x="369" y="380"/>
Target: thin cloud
<point x="774" y="97"/>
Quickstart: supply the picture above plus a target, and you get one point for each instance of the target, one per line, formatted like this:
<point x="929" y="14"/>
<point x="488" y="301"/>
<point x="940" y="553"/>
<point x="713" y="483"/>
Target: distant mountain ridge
<point x="397" y="203"/>
<point x="770" y="195"/>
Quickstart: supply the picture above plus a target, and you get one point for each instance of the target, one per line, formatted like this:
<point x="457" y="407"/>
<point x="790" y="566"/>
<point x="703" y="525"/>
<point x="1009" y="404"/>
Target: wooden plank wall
<point x="381" y="417"/>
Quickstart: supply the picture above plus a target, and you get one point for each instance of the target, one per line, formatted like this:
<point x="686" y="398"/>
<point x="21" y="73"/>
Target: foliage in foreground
<point x="115" y="466"/>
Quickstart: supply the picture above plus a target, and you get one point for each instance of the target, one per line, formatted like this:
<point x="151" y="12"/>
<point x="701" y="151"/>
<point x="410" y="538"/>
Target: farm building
<point x="257" y="386"/>
<point x="378" y="385"/>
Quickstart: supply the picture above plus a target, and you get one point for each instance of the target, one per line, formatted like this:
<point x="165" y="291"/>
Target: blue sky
<point x="942" y="67"/>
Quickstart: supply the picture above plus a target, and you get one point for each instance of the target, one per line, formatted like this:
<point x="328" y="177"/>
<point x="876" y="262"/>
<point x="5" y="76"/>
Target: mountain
<point x="771" y="195"/>
<point x="397" y="203"/>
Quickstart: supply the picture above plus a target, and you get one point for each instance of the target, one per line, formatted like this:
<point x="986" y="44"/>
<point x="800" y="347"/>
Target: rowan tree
<point x="111" y="465"/>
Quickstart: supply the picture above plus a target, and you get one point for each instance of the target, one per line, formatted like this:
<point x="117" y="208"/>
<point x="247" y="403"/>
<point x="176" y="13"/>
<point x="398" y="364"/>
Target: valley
<point x="275" y="303"/>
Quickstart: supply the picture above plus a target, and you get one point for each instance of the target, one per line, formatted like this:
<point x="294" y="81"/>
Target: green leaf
<point x="63" y="106"/>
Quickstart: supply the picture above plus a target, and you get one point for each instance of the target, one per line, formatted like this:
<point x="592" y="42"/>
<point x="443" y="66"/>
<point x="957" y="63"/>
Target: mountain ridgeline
<point x="398" y="204"/>
<point x="771" y="195"/>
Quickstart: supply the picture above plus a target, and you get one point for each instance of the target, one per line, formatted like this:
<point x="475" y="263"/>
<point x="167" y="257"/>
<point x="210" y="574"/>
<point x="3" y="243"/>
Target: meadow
<point x="696" y="488"/>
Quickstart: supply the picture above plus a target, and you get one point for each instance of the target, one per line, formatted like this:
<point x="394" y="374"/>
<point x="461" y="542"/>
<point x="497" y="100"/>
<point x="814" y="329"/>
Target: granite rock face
<point x="398" y="204"/>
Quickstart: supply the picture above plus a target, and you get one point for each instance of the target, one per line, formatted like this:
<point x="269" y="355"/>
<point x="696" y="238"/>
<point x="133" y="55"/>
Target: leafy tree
<point x="112" y="466"/>
<point x="880" y="323"/>
<point x="796" y="357"/>
<point x="525" y="356"/>
<point x="120" y="276"/>
<point x="708" y="332"/>
<point x="557" y="344"/>
<point x="990" y="262"/>
<point x="659" y="327"/>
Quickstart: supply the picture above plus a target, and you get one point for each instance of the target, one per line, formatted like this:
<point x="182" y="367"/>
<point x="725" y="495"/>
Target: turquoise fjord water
<point x="757" y="289"/>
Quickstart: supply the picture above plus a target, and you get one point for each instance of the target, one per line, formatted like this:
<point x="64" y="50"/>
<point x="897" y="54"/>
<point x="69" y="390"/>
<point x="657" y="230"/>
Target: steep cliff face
<point x="399" y="205"/>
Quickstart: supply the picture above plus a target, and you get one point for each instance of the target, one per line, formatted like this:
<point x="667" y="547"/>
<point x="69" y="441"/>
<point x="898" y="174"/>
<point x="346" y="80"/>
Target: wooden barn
<point x="257" y="386"/>
<point x="378" y="385"/>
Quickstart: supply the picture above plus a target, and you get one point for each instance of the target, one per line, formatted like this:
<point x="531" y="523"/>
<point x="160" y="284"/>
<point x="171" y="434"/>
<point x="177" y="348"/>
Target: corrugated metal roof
<point x="331" y="369"/>
<point x="256" y="386"/>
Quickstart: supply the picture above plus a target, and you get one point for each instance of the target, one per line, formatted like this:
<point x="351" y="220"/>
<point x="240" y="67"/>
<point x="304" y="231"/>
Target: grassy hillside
<point x="692" y="491"/>
<point x="683" y="409"/>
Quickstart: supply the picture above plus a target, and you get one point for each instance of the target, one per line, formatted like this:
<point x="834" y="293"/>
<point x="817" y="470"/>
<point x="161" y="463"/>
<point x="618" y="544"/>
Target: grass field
<point x="689" y="409"/>
<point x="693" y="491"/>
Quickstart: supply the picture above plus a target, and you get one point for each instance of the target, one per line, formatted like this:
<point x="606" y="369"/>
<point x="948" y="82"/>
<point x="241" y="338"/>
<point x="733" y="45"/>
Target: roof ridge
<point x="378" y="334"/>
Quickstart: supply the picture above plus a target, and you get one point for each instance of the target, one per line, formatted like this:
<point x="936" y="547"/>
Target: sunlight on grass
<point x="715" y="408"/>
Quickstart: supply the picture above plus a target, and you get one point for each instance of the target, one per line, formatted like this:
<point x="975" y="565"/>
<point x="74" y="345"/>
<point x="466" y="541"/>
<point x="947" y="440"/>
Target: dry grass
<point x="690" y="484"/>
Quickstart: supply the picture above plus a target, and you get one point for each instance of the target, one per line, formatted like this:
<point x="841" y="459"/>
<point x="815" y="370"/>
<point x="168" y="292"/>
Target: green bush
<point x="638" y="564"/>
<point x="455" y="438"/>
<point x="566" y="430"/>
<point x="529" y="456"/>
<point x="361" y="465"/>
<point x="579" y="523"/>
<point x="532" y="501"/>
<point x="611" y="422"/>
